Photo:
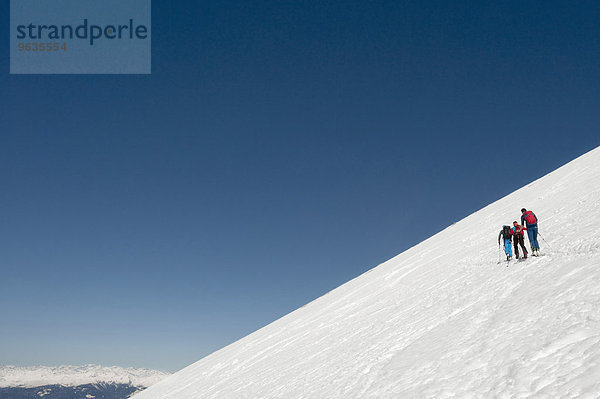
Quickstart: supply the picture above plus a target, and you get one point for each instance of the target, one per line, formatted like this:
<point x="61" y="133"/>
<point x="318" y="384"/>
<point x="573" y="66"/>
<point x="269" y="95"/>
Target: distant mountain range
<point x="75" y="382"/>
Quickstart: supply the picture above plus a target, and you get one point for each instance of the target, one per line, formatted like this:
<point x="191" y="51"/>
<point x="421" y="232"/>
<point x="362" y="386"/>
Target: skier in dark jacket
<point x="529" y="218"/>
<point x="518" y="239"/>
<point x="506" y="233"/>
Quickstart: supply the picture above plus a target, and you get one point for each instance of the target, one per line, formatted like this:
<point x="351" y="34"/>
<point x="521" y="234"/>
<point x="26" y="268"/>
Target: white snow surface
<point x="30" y="377"/>
<point x="443" y="319"/>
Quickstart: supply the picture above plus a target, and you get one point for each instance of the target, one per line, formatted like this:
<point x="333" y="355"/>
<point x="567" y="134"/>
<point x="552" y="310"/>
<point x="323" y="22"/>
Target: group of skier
<point x="516" y="235"/>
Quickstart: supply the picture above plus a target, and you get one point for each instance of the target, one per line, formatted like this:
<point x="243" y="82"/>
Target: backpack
<point x="530" y="218"/>
<point x="506" y="232"/>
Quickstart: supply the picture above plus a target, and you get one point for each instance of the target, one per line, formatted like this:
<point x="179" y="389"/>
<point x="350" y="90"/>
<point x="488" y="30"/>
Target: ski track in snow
<point x="443" y="319"/>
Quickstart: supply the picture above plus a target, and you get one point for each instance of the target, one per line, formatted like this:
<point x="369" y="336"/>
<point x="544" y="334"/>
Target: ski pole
<point x="499" y="253"/>
<point x="545" y="241"/>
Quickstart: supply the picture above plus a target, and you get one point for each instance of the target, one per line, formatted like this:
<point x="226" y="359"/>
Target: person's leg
<point x="507" y="247"/>
<point x="516" y="240"/>
<point x="534" y="231"/>
<point x="522" y="241"/>
<point x="530" y="236"/>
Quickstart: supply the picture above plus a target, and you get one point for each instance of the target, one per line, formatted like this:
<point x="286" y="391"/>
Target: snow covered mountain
<point x="73" y="382"/>
<point x="77" y="375"/>
<point x="444" y="319"/>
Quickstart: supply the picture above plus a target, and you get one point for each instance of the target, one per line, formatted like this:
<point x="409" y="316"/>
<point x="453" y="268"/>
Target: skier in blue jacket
<point x="532" y="230"/>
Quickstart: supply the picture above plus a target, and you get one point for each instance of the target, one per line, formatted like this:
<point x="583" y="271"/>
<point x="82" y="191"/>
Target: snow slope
<point x="443" y="319"/>
<point x="11" y="376"/>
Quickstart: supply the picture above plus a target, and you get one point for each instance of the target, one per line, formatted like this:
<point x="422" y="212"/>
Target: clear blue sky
<point x="277" y="150"/>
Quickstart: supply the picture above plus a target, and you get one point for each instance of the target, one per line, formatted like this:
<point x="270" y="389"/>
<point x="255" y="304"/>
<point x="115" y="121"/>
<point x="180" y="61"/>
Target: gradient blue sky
<point x="279" y="149"/>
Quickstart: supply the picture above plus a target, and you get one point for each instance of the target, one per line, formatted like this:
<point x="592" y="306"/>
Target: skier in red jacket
<point x="517" y="232"/>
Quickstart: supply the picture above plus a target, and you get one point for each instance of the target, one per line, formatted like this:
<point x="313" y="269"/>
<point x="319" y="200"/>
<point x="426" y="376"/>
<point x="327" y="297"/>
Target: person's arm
<point x="523" y="220"/>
